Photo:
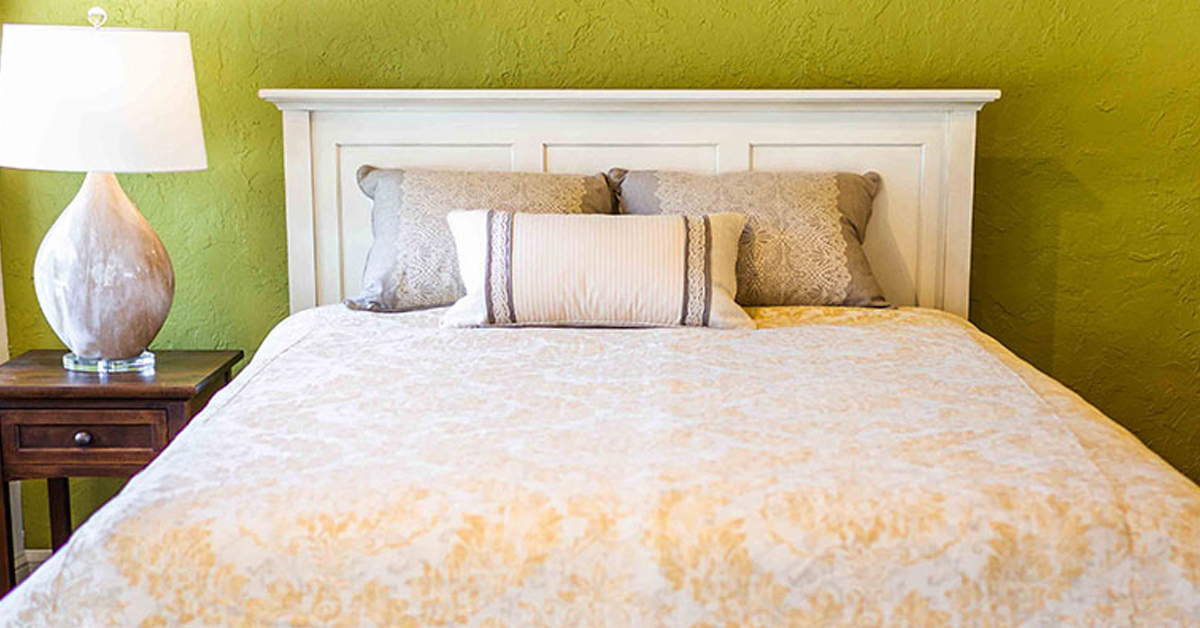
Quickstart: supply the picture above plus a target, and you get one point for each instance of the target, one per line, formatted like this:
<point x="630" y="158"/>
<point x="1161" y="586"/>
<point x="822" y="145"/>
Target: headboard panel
<point x="921" y="141"/>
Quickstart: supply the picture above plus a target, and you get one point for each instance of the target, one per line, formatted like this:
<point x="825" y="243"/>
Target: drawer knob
<point x="83" y="438"/>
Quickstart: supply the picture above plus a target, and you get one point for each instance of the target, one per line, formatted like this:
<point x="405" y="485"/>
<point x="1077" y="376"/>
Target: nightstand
<point x="55" y="424"/>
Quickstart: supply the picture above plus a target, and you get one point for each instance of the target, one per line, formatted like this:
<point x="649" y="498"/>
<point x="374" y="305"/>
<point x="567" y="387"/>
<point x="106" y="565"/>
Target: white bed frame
<point x="921" y="141"/>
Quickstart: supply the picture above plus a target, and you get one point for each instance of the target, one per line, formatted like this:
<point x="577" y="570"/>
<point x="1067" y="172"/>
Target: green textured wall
<point x="1086" y="256"/>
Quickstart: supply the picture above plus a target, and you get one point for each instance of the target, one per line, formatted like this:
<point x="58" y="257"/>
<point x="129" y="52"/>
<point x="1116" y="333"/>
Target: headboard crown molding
<point x="922" y="142"/>
<point x="626" y="99"/>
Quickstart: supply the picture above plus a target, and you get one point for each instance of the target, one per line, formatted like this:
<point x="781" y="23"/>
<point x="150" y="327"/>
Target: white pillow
<point x="593" y="270"/>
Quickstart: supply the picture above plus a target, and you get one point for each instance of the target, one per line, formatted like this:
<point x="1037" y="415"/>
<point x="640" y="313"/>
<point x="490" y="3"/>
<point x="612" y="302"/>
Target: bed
<point x="833" y="467"/>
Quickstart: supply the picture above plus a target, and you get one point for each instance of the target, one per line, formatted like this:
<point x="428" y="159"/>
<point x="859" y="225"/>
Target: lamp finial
<point x="97" y="16"/>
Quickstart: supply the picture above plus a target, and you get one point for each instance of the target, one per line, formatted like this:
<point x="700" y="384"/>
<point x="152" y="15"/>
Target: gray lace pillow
<point x="412" y="262"/>
<point x="803" y="239"/>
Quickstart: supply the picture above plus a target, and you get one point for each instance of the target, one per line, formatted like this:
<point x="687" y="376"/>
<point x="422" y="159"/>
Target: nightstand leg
<point x="59" y="491"/>
<point x="8" y="576"/>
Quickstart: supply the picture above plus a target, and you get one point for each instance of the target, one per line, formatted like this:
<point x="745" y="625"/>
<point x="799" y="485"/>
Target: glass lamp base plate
<point x="143" y="363"/>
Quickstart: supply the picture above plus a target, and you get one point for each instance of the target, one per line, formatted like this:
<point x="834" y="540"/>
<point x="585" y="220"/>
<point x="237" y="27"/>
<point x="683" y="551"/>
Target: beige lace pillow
<point x="598" y="271"/>
<point x="412" y="263"/>
<point x="803" y="239"/>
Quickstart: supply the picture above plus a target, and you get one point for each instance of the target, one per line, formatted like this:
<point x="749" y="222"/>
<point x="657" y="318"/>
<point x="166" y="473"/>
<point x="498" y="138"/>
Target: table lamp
<point x="100" y="101"/>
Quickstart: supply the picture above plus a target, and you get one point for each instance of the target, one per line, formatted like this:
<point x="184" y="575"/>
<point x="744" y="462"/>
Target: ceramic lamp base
<point x="103" y="279"/>
<point x="143" y="363"/>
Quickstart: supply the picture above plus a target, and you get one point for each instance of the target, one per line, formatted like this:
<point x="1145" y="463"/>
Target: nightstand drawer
<point x="33" y="437"/>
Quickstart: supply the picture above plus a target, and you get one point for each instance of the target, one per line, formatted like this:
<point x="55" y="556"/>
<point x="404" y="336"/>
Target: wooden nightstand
<point x="55" y="424"/>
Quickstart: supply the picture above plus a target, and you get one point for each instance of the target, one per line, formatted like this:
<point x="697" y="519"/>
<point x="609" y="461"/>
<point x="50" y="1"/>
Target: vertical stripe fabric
<point x="548" y="269"/>
<point x="601" y="270"/>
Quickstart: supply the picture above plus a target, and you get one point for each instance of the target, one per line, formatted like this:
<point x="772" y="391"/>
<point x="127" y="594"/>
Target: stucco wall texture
<point x="1086" y="259"/>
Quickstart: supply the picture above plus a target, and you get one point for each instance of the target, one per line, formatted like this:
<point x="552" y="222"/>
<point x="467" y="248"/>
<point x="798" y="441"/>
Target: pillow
<point x="411" y="263"/>
<point x="804" y="231"/>
<point x="600" y="271"/>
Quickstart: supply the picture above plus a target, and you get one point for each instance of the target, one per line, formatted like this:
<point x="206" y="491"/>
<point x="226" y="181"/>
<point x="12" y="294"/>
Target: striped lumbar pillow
<point x="604" y="271"/>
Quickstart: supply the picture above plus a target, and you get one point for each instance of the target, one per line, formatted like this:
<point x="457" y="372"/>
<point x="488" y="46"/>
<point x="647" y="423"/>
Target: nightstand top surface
<point x="177" y="375"/>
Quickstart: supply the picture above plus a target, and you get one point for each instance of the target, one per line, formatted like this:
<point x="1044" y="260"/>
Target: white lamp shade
<point x="83" y="99"/>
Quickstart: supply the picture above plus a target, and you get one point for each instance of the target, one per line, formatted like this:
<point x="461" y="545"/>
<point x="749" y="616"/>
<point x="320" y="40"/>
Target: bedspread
<point x="836" y="467"/>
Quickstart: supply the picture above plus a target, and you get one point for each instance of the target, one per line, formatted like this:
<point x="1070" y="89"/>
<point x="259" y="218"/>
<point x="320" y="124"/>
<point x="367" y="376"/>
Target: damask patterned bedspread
<point x="836" y="467"/>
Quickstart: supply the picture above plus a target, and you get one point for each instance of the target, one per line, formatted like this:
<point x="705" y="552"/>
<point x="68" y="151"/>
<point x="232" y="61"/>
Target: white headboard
<point x="921" y="141"/>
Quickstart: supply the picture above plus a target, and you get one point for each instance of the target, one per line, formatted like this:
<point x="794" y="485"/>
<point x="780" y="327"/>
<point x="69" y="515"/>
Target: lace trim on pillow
<point x="497" y="286"/>
<point x="697" y="271"/>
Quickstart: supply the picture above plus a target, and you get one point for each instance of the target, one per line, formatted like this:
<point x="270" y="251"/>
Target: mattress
<point x="835" y="467"/>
